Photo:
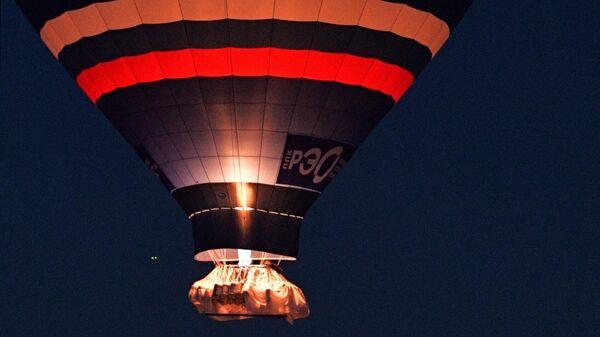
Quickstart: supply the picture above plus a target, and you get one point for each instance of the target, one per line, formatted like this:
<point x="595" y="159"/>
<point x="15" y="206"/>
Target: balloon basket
<point x="234" y="292"/>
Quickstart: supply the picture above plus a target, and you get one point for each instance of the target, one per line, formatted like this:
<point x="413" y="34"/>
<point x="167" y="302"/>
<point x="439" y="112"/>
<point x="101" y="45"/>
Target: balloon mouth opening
<point x="234" y="254"/>
<point x="235" y="292"/>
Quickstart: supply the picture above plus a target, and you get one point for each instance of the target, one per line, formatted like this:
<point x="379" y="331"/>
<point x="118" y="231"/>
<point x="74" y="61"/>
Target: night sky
<point x="471" y="210"/>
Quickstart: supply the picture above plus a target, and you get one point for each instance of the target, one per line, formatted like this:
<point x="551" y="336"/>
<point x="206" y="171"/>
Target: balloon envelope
<point x="244" y="110"/>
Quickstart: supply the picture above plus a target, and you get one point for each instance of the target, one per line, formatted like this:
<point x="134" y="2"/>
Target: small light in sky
<point x="153" y="257"/>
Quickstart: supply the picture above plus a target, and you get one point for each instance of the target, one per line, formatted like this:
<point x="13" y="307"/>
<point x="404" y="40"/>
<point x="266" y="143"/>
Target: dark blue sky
<point x="470" y="211"/>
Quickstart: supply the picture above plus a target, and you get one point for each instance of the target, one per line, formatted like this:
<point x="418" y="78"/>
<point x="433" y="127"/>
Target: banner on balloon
<point x="311" y="162"/>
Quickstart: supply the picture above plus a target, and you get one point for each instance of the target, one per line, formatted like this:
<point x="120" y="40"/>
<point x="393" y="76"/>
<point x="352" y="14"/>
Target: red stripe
<point x="126" y="71"/>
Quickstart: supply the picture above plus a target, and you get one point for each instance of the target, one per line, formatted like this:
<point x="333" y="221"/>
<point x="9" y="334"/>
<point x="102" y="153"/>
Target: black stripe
<point x="254" y="90"/>
<point x="355" y="40"/>
<point x="200" y="197"/>
<point x="40" y="11"/>
<point x="246" y="230"/>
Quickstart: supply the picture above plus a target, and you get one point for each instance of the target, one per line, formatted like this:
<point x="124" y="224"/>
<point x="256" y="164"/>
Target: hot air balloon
<point x="245" y="110"/>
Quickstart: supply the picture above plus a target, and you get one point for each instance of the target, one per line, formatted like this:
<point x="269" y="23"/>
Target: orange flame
<point x="243" y="196"/>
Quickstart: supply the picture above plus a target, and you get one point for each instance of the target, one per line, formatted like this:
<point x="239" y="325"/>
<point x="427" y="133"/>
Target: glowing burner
<point x="245" y="257"/>
<point x="232" y="292"/>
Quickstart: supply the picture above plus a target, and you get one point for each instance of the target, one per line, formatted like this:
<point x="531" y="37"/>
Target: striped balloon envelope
<point x="245" y="110"/>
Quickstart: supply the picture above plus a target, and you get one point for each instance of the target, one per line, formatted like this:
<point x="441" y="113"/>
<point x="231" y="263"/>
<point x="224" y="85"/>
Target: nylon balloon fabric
<point x="244" y="110"/>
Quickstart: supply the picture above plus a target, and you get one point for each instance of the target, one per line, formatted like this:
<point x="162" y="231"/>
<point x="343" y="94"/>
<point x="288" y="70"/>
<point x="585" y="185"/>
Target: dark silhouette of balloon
<point x="245" y="111"/>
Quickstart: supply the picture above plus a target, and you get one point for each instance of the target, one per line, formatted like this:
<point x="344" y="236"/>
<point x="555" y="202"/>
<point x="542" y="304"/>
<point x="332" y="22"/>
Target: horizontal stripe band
<point x="271" y="199"/>
<point x="354" y="40"/>
<point x="229" y="94"/>
<point x="347" y="69"/>
<point x="243" y="209"/>
<point x="250" y="230"/>
<point x="39" y="12"/>
<point x="97" y="18"/>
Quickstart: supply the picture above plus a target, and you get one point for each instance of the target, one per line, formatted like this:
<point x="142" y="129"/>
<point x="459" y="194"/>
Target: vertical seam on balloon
<point x="345" y="111"/>
<point x="203" y="103"/>
<point x="413" y="38"/>
<point x="340" y="67"/>
<point x="380" y="53"/>
<point x="160" y="66"/>
<point x="406" y="79"/>
<point x="262" y="124"/>
<point x="234" y="126"/>
<point x="294" y="104"/>
<point x="212" y="135"/>
<point x="347" y="108"/>
<point x="124" y="62"/>
<point x="433" y="37"/>
<point x="60" y="38"/>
